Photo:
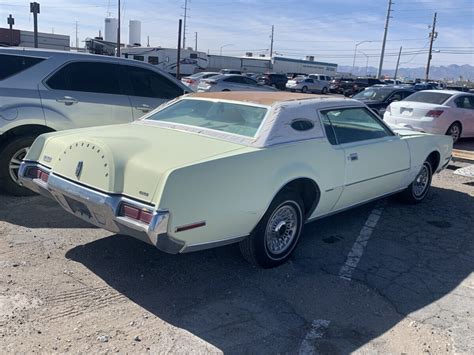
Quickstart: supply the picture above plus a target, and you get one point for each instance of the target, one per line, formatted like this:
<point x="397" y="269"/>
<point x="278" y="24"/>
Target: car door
<point x="147" y="89"/>
<point x="84" y="94"/>
<point x="376" y="159"/>
<point x="253" y="85"/>
<point x="235" y="83"/>
<point x="464" y="112"/>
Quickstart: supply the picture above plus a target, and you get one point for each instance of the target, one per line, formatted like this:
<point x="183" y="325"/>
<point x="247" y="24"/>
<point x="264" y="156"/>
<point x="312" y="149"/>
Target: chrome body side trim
<point x="213" y="244"/>
<point x="354" y="206"/>
<point x="102" y="209"/>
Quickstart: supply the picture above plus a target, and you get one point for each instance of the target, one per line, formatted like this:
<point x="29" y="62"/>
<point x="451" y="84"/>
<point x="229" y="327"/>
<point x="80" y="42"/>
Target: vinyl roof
<point x="261" y="98"/>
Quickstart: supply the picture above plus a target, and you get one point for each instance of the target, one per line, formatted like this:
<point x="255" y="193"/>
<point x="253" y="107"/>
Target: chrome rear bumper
<point x="102" y="209"/>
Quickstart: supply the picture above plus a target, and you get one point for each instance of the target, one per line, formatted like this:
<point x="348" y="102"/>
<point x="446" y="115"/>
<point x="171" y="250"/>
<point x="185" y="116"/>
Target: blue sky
<point x="327" y="29"/>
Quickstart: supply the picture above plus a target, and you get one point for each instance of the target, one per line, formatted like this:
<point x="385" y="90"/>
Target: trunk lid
<point x="413" y="110"/>
<point x="128" y="159"/>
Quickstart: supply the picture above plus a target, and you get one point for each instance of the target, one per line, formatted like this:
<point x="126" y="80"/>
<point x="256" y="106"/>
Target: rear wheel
<point x="418" y="189"/>
<point x="304" y="89"/>
<point x="324" y="91"/>
<point x="276" y="235"/>
<point x="454" y="131"/>
<point x="10" y="159"/>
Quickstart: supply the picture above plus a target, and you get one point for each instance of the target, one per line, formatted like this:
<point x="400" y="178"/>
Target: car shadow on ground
<point x="37" y="212"/>
<point x="416" y="256"/>
<point x="465" y="144"/>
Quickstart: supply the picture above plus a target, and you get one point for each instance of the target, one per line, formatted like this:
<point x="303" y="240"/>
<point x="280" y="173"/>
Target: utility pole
<point x="195" y="41"/>
<point x="148" y="41"/>
<point x="433" y="36"/>
<point x="184" y="27"/>
<point x="77" y="38"/>
<point x="11" y="22"/>
<point x="271" y="42"/>
<point x="35" y="9"/>
<point x="387" y="20"/>
<point x="178" y="59"/>
<point x="118" y="31"/>
<point x="398" y="62"/>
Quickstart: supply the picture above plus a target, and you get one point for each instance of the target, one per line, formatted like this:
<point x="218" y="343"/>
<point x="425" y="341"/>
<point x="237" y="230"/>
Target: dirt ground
<point x="68" y="287"/>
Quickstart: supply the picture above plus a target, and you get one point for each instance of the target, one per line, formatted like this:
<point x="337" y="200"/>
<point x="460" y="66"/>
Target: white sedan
<point x="434" y="111"/>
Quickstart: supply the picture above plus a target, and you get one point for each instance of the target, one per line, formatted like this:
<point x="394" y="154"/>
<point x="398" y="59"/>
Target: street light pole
<point x="366" y="62"/>
<point x="355" y="54"/>
<point x="225" y="45"/>
<point x="11" y="22"/>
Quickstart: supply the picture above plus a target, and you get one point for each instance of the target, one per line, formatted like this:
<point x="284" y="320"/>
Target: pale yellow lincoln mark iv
<point x="209" y="169"/>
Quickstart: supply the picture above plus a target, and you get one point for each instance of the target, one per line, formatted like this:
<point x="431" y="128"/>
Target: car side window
<point x="464" y="102"/>
<point x="250" y="81"/>
<point x="329" y="130"/>
<point x="396" y="97"/>
<point x="235" y="79"/>
<point x="354" y="125"/>
<point x="309" y="81"/>
<point x="97" y="77"/>
<point x="147" y="83"/>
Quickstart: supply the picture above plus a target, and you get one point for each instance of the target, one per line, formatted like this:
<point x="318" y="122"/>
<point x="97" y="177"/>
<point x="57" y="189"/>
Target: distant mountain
<point x="449" y="72"/>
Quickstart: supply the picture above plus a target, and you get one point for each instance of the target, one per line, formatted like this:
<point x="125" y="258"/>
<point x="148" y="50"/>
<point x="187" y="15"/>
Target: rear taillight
<point x="133" y="212"/>
<point x="36" y="173"/>
<point x="434" y="113"/>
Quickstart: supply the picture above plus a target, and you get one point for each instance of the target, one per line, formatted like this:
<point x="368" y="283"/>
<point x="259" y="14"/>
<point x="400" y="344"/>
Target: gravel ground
<point x="68" y="287"/>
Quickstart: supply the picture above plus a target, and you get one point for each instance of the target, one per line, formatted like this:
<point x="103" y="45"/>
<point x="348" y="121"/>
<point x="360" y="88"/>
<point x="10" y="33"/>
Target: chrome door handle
<point x="144" y="108"/>
<point x="353" y="157"/>
<point x="67" y="100"/>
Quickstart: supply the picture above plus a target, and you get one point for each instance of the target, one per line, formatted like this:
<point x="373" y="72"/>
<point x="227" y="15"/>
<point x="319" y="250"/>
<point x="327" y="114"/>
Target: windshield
<point x="227" y="117"/>
<point x="372" y="94"/>
<point x="437" y="98"/>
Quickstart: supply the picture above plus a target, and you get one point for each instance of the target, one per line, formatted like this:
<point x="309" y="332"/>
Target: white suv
<point x="321" y="82"/>
<point x="43" y="91"/>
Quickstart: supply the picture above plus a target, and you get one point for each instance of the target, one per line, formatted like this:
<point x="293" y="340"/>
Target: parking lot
<point x="385" y="277"/>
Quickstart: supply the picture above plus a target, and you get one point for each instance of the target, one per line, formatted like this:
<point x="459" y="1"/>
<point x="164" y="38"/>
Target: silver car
<point x="322" y="81"/>
<point x="231" y="82"/>
<point x="305" y="85"/>
<point x="192" y="81"/>
<point x="44" y="91"/>
<point x="301" y="83"/>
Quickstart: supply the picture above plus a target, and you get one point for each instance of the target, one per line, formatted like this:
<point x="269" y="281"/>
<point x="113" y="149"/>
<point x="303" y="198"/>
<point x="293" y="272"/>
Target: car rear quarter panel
<point x="421" y="146"/>
<point x="231" y="194"/>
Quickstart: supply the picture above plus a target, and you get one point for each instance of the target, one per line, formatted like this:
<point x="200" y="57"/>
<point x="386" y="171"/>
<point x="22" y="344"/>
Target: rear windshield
<point x="227" y="117"/>
<point x="437" y="98"/>
<point x="13" y="64"/>
<point x="373" y="94"/>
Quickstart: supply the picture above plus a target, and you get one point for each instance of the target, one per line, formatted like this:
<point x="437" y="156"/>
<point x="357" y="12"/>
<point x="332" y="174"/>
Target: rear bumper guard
<point x="102" y="209"/>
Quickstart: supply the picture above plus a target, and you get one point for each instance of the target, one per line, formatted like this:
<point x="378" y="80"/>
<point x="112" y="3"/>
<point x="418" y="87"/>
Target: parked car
<point x="192" y="81"/>
<point x="378" y="98"/>
<point x="338" y="85"/>
<point x="43" y="91"/>
<point x="323" y="82"/>
<point x="210" y="169"/>
<point x="273" y="79"/>
<point x="423" y="86"/>
<point x="435" y="111"/>
<point x="392" y="82"/>
<point x="303" y="84"/>
<point x="231" y="82"/>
